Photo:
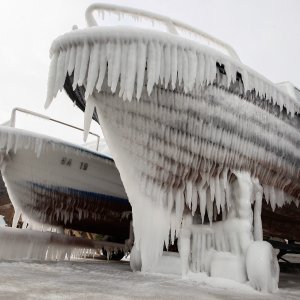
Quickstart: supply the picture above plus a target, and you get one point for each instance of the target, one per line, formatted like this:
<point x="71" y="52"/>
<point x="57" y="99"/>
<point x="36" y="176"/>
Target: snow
<point x="89" y="279"/>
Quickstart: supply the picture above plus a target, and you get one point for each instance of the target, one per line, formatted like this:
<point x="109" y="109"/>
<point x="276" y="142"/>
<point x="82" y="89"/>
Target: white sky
<point x="265" y="34"/>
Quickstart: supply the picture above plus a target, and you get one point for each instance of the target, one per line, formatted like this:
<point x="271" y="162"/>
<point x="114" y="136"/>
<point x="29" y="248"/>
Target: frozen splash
<point x="198" y="139"/>
<point x="29" y="244"/>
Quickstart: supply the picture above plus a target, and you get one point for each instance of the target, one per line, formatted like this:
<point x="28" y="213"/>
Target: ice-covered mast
<point x="197" y="139"/>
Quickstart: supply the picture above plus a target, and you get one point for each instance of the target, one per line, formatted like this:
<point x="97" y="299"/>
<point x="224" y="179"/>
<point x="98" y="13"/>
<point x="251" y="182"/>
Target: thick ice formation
<point x="262" y="266"/>
<point x="201" y="138"/>
<point x="36" y="245"/>
<point x="170" y="60"/>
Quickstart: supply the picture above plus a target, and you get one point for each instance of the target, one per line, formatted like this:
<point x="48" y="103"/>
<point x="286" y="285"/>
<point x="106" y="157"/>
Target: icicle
<point x="84" y="64"/>
<point x="88" y="115"/>
<point x="189" y="192"/>
<point x="185" y="73"/>
<point x="67" y="60"/>
<point x="207" y="73"/>
<point x="158" y="62"/>
<point x="142" y="51"/>
<point x="72" y="60"/>
<point x="162" y="65"/>
<point x="116" y="68"/>
<point x="110" y="49"/>
<point x="194" y="200"/>
<point x="245" y="80"/>
<point x="267" y="193"/>
<point x="202" y="196"/>
<point x="102" y="67"/>
<point x="167" y="65"/>
<point x="218" y="193"/>
<point x="229" y="75"/>
<point x="151" y="71"/>
<point x="60" y="75"/>
<point x="179" y="205"/>
<point x="93" y="70"/>
<point x="200" y="70"/>
<point x="272" y="198"/>
<point x="212" y="70"/>
<point x="223" y="187"/>
<point x="51" y="80"/>
<point x="212" y="186"/>
<point x="192" y="59"/>
<point x="280" y="198"/>
<point x="77" y="66"/>
<point x="131" y="71"/>
<point x="174" y="66"/>
<point x="258" y="191"/>
<point x="180" y="65"/>
<point x="124" y="54"/>
<point x="209" y="206"/>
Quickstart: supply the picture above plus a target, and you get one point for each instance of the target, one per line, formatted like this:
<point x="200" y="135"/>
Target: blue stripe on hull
<point x="81" y="193"/>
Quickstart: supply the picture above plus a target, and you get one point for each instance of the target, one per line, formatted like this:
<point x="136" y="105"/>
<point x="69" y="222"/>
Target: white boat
<point x="52" y="183"/>
<point x="198" y="137"/>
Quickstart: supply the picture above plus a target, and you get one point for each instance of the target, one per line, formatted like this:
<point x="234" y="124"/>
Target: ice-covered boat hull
<point x="143" y="140"/>
<point x="57" y="184"/>
<point x="245" y="120"/>
<point x="283" y="223"/>
<point x="197" y="137"/>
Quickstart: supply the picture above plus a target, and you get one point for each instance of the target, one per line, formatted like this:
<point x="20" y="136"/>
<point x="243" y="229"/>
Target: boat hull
<point x="67" y="187"/>
<point x="197" y="136"/>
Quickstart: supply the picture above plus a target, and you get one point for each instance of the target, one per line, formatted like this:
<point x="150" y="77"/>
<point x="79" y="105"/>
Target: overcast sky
<point x="265" y="34"/>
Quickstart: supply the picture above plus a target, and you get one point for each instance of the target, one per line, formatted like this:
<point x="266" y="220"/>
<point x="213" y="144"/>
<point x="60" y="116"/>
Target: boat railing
<point x="12" y="121"/>
<point x="171" y="25"/>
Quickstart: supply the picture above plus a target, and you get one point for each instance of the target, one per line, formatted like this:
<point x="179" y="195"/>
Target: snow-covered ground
<point x="92" y="279"/>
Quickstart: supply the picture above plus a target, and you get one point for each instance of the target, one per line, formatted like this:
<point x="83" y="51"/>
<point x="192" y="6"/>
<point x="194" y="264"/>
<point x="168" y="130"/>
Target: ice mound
<point x="197" y="136"/>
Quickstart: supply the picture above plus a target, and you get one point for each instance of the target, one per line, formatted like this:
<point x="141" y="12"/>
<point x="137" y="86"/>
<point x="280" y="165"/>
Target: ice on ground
<point x="86" y="279"/>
